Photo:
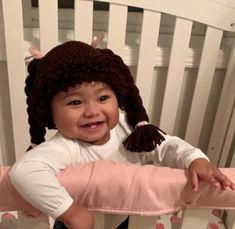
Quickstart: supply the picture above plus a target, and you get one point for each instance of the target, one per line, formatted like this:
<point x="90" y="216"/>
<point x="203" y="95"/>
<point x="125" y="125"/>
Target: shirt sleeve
<point x="34" y="177"/>
<point x="177" y="153"/>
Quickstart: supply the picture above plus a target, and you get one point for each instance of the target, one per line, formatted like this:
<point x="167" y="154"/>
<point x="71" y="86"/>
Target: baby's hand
<point x="203" y="169"/>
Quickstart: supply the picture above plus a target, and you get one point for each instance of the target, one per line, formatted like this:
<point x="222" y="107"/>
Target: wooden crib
<point x="181" y="53"/>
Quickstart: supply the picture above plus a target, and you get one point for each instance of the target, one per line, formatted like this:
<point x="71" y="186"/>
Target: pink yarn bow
<point x="97" y="40"/>
<point x="36" y="54"/>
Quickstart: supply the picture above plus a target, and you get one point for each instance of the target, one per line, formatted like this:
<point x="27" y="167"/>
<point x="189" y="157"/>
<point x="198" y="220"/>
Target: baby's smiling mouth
<point x="92" y="125"/>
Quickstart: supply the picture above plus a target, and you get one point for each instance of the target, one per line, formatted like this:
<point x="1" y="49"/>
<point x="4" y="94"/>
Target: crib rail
<point x="184" y="69"/>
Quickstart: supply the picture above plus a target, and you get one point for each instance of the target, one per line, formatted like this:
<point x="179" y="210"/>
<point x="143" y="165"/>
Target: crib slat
<point x="175" y="74"/>
<point x="13" y="24"/>
<point x="41" y="222"/>
<point x="2" y="53"/>
<point x="99" y="219"/>
<point x="1" y="155"/>
<point x="230" y="221"/>
<point x="196" y="217"/>
<point x="224" y="111"/>
<point x="147" y="51"/>
<point x="140" y="222"/>
<point x="117" y="28"/>
<point x="228" y="143"/>
<point x="7" y="155"/>
<point x="83" y="20"/>
<point x="233" y="160"/>
<point x="203" y="84"/>
<point x="48" y="22"/>
<point x="2" y="41"/>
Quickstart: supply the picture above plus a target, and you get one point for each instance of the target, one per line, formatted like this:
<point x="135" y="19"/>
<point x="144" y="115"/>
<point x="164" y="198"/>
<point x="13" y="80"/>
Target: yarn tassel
<point x="144" y="138"/>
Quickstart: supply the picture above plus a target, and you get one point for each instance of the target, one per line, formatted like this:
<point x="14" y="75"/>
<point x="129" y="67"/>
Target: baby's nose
<point x="91" y="110"/>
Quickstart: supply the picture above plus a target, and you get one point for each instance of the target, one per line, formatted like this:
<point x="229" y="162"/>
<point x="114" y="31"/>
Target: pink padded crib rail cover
<point x="112" y="187"/>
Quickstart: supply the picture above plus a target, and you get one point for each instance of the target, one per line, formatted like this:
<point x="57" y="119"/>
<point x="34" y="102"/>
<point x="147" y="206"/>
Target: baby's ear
<point x="97" y="40"/>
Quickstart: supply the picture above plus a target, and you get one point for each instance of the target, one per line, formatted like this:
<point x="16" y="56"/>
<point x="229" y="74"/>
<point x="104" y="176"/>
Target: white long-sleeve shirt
<point x="34" y="175"/>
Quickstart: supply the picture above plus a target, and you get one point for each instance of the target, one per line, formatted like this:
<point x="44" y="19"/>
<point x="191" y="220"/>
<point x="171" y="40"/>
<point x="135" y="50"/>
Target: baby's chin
<point x="97" y="141"/>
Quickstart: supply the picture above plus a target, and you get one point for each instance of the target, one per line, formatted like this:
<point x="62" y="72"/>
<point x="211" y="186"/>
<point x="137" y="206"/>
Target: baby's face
<point x="87" y="112"/>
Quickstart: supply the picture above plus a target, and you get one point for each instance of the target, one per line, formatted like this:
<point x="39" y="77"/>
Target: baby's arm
<point x="177" y="153"/>
<point x="34" y="177"/>
<point x="37" y="183"/>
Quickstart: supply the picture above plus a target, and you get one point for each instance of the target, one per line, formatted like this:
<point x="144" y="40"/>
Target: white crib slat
<point x="48" y="22"/>
<point x="7" y="155"/>
<point x="148" y="46"/>
<point x="99" y="219"/>
<point x="2" y="40"/>
<point x="203" y="84"/>
<point x="13" y="24"/>
<point x="175" y="74"/>
<point x="117" y="28"/>
<point x="223" y="112"/>
<point x="83" y="20"/>
<point x="233" y="162"/>
<point x="195" y="218"/>
<point x="41" y="222"/>
<point x="2" y="53"/>
<point x="228" y="142"/>
<point x="140" y="222"/>
<point x="230" y="221"/>
<point x="1" y="156"/>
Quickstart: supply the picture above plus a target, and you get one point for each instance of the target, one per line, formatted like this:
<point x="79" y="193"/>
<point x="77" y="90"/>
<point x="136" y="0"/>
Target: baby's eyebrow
<point x="106" y="89"/>
<point x="70" y="94"/>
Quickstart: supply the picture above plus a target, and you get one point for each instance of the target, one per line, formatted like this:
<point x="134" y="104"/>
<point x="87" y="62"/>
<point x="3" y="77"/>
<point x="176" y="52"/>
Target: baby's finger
<point x="225" y="181"/>
<point x="232" y="186"/>
<point x="212" y="180"/>
<point x="194" y="180"/>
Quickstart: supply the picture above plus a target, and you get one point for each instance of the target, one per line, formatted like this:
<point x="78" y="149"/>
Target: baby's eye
<point x="75" y="103"/>
<point x="103" y="98"/>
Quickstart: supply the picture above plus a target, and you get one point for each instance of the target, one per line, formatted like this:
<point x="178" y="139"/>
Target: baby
<point x="89" y="96"/>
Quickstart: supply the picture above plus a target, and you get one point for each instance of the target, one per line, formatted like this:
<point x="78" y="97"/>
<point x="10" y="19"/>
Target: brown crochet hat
<point x="73" y="63"/>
